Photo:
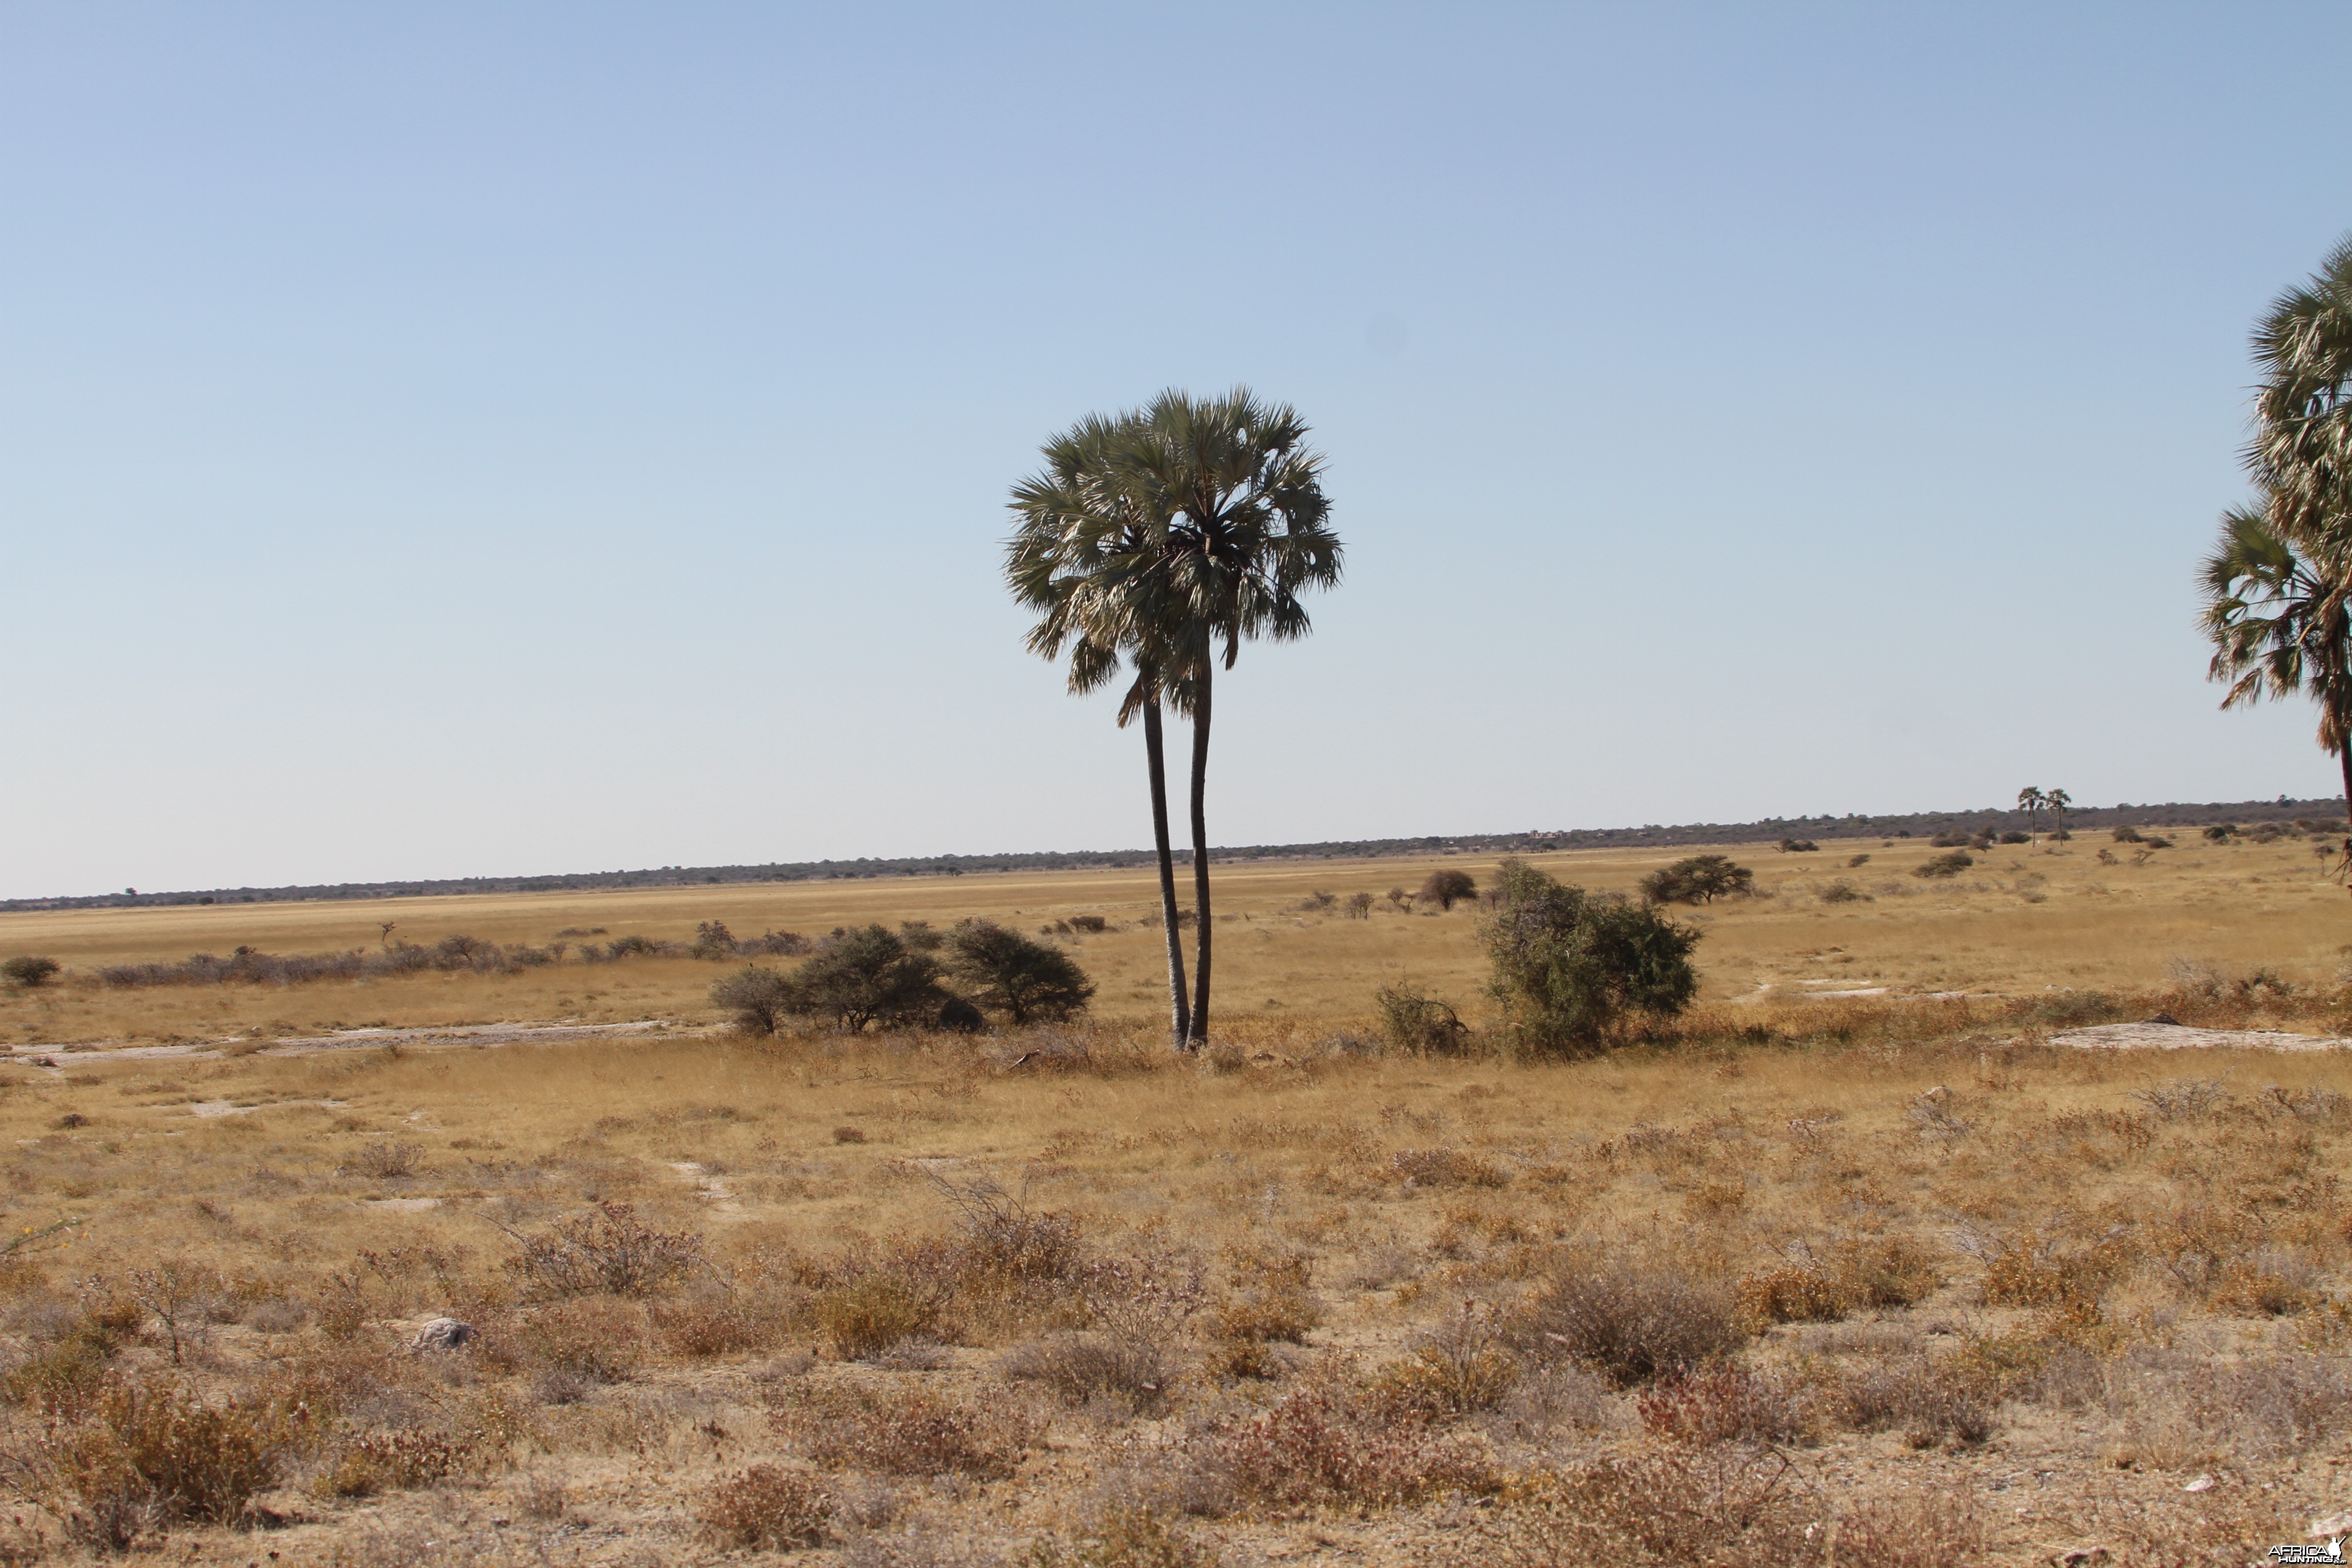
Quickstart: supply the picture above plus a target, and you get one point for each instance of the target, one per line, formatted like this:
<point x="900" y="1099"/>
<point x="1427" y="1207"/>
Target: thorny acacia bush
<point x="1568" y="965"/>
<point x="1698" y="880"/>
<point x="1016" y="975"/>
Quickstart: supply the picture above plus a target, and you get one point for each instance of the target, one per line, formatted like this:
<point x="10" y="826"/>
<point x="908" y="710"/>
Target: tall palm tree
<point x="2030" y="801"/>
<point x="2279" y="612"/>
<point x="2057" y="800"/>
<point x="1242" y="528"/>
<point x="2277" y="582"/>
<point x="2301" y="450"/>
<point x="1079" y="535"/>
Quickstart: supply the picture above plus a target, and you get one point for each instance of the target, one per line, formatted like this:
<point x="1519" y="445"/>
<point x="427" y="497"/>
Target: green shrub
<point x="1421" y="1024"/>
<point x="1017" y="975"/>
<point x="868" y="976"/>
<point x="1947" y="864"/>
<point x="760" y="998"/>
<point x="1797" y="846"/>
<point x="29" y="971"/>
<point x="1446" y="888"/>
<point x="1569" y="965"/>
<point x="1701" y="879"/>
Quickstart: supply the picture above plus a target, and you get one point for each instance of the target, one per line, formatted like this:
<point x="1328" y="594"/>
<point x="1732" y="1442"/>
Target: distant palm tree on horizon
<point x="2031" y="800"/>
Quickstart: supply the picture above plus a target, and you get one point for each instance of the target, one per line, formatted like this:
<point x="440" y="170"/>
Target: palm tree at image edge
<point x="2276" y="583"/>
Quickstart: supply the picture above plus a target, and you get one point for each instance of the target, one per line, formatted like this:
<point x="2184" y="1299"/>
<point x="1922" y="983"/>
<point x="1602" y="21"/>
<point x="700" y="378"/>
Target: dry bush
<point x="1331" y="1442"/>
<point x="699" y="1331"/>
<point x="767" y="1508"/>
<point x="1631" y="1319"/>
<point x="1934" y="1402"/>
<point x="1729" y="1405"/>
<point x="152" y="1451"/>
<point x="1005" y="1240"/>
<point x="1125" y="1538"/>
<point x="377" y="1462"/>
<point x="1270" y="1299"/>
<point x="1920" y="1530"/>
<point x="385" y="1160"/>
<point x="1460" y="1368"/>
<point x="908" y="1431"/>
<point x="1724" y="1506"/>
<point x="2183" y="1408"/>
<point x="608" y="1249"/>
<point x="1446" y="1168"/>
<point x="597" y="1338"/>
<point x="1419" y="1024"/>
<point x="1793" y="1293"/>
<point x="865" y="1316"/>
<point x="2053" y="1269"/>
<point x="1080" y="1368"/>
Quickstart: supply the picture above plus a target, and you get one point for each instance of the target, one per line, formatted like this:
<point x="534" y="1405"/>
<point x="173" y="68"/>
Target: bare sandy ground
<point x="467" y="1035"/>
<point x="2158" y="1036"/>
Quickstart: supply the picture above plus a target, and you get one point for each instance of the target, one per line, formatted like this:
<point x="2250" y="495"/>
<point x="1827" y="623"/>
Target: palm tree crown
<point x="2301" y="448"/>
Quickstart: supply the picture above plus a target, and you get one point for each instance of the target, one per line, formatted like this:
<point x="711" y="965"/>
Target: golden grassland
<point x="1874" y="1280"/>
<point x="2024" y="919"/>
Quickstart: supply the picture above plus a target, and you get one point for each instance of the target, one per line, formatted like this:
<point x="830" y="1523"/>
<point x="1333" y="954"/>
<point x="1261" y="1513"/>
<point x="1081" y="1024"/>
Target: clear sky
<point x="448" y="439"/>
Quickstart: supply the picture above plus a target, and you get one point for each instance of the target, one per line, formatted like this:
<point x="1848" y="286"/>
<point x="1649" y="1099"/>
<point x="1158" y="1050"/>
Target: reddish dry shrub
<point x="1326" y="1442"/>
<point x="1724" y="1506"/>
<point x="767" y="1508"/>
<point x="598" y="1338"/>
<point x="908" y="1431"/>
<point x="1270" y="1299"/>
<point x="702" y="1330"/>
<point x="1728" y="1404"/>
<point x="1934" y="1402"/>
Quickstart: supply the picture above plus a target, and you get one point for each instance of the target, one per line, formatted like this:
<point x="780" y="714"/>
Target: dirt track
<point x="473" y="1035"/>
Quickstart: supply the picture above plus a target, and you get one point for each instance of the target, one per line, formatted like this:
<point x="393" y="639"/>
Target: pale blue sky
<point x="453" y="439"/>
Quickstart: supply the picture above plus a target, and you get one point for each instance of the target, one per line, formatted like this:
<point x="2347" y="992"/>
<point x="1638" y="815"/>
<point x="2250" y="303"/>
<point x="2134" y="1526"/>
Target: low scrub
<point x="606" y="1250"/>
<point x="767" y="1508"/>
<point x="1948" y="865"/>
<point x="1332" y="1443"/>
<point x="908" y="1431"/>
<point x="1632" y="1320"/>
<point x="150" y="1452"/>
<point x="1418" y="1025"/>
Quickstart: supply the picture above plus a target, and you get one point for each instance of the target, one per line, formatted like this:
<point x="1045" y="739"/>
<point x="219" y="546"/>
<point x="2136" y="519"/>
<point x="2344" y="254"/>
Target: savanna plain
<point x="1856" y="1261"/>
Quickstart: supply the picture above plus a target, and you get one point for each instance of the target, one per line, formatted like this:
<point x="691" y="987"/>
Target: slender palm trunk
<point x="1157" y="754"/>
<point x="2343" y="755"/>
<point x="1200" y="858"/>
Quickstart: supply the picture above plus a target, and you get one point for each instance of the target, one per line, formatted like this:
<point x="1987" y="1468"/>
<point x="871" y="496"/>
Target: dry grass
<point x="1884" y="1270"/>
